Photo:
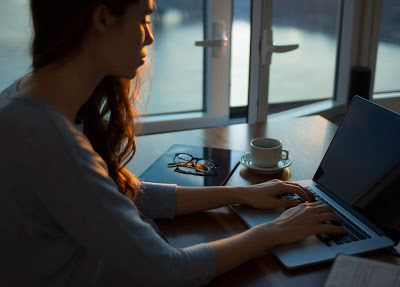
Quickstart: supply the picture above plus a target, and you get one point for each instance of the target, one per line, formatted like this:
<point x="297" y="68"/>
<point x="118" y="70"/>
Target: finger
<point x="293" y="189"/>
<point x="329" y="228"/>
<point x="287" y="203"/>
<point x="313" y="203"/>
<point x="328" y="216"/>
<point x="306" y="190"/>
<point x="321" y="208"/>
<point x="308" y="205"/>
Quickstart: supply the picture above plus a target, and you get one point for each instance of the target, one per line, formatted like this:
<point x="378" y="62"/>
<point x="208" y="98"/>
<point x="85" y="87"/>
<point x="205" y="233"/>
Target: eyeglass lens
<point x="183" y="158"/>
<point x="187" y="160"/>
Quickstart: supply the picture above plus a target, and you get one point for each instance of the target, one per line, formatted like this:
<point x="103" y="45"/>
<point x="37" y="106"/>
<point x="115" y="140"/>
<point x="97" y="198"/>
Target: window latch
<point x="219" y="41"/>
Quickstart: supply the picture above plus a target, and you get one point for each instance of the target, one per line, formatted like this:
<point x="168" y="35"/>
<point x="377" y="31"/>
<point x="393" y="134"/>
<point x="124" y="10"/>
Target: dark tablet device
<point x="226" y="162"/>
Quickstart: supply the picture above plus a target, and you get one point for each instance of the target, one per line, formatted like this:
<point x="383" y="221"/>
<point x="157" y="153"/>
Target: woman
<point x="69" y="209"/>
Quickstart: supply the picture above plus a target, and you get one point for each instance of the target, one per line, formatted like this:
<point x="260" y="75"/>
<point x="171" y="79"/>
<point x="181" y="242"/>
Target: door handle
<point x="268" y="47"/>
<point x="219" y="41"/>
<point x="212" y="43"/>
<point x="282" y="49"/>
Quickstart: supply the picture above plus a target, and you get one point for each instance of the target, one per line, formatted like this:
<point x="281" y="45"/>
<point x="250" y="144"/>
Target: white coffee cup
<point x="267" y="152"/>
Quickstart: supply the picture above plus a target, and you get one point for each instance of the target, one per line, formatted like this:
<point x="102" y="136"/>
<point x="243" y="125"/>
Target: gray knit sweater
<point x="62" y="220"/>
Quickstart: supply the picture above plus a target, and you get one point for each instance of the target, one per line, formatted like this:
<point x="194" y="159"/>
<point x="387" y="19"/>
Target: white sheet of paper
<point x="354" y="271"/>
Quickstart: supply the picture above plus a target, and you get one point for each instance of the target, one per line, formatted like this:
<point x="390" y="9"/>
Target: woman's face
<point x="125" y="41"/>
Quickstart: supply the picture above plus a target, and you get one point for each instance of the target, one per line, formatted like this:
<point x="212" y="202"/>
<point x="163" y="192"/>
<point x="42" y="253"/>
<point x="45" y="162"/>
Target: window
<point x="297" y="61"/>
<point x="240" y="57"/>
<point x="177" y="64"/>
<point x="306" y="74"/>
<point x="387" y="73"/>
<point x="15" y="34"/>
<point x="313" y="25"/>
<point x="192" y="70"/>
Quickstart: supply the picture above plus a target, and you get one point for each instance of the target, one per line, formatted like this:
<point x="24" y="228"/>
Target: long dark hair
<point x="109" y="114"/>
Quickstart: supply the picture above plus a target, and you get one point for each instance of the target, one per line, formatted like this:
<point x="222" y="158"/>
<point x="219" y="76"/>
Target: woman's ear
<point x="102" y="19"/>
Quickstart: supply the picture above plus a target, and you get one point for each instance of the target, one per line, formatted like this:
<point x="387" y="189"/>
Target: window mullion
<point x="220" y="65"/>
<point x="376" y="16"/>
<point x="359" y="41"/>
<point x="261" y="19"/>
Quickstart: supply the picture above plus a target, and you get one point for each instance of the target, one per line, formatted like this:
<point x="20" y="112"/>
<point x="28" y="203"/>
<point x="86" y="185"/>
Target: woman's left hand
<point x="265" y="195"/>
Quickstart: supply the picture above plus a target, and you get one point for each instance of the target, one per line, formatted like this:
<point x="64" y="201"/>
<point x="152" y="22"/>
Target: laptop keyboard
<point x="354" y="232"/>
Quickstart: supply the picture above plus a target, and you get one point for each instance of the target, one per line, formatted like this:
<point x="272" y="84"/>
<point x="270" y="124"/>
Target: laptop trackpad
<point x="305" y="252"/>
<point x="252" y="216"/>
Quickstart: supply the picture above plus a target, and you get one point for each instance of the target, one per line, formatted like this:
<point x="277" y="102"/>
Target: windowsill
<point x="332" y="109"/>
<point x="179" y="122"/>
<point x="196" y="120"/>
<point x="329" y="108"/>
<point x="390" y="101"/>
<point x="172" y="117"/>
<point x="386" y="96"/>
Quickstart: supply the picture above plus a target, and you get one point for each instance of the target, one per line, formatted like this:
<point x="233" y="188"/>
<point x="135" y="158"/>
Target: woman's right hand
<point x="293" y="225"/>
<point x="304" y="220"/>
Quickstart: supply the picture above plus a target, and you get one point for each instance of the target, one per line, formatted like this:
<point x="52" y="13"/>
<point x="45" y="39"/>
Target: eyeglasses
<point x="188" y="164"/>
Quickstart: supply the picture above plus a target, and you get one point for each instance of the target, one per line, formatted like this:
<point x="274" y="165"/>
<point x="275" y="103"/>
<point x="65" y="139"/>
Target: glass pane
<point x="387" y="65"/>
<point x="308" y="73"/>
<point x="177" y="64"/>
<point x="15" y="34"/>
<point x="240" y="53"/>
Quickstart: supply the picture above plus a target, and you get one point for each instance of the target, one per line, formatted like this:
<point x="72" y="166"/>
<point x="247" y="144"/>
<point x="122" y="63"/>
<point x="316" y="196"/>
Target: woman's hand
<point x="305" y="220"/>
<point x="293" y="225"/>
<point x="264" y="195"/>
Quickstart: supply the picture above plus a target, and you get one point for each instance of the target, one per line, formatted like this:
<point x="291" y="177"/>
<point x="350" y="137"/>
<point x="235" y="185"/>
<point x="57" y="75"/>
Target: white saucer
<point x="247" y="161"/>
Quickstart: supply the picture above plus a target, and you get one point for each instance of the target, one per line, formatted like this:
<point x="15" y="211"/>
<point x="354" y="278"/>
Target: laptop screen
<point x="364" y="151"/>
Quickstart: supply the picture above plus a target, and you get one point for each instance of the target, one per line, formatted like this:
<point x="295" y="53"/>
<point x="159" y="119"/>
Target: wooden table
<point x="306" y="138"/>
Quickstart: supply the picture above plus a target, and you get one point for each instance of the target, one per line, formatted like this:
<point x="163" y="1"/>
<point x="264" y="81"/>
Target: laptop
<point x="359" y="177"/>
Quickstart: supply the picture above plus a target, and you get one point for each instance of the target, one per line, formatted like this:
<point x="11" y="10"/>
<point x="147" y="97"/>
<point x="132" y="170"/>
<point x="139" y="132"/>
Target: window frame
<point x="385" y="97"/>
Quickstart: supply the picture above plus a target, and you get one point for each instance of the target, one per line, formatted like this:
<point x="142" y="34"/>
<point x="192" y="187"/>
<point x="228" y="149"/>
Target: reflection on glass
<point x="307" y="73"/>
<point x="177" y="63"/>
<point x="240" y="53"/>
<point x="387" y="65"/>
<point x="14" y="41"/>
<point x="226" y="160"/>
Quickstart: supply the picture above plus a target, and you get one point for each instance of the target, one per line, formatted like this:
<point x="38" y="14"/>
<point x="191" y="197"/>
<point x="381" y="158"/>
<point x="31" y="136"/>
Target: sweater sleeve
<point x="85" y="202"/>
<point x="157" y="200"/>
